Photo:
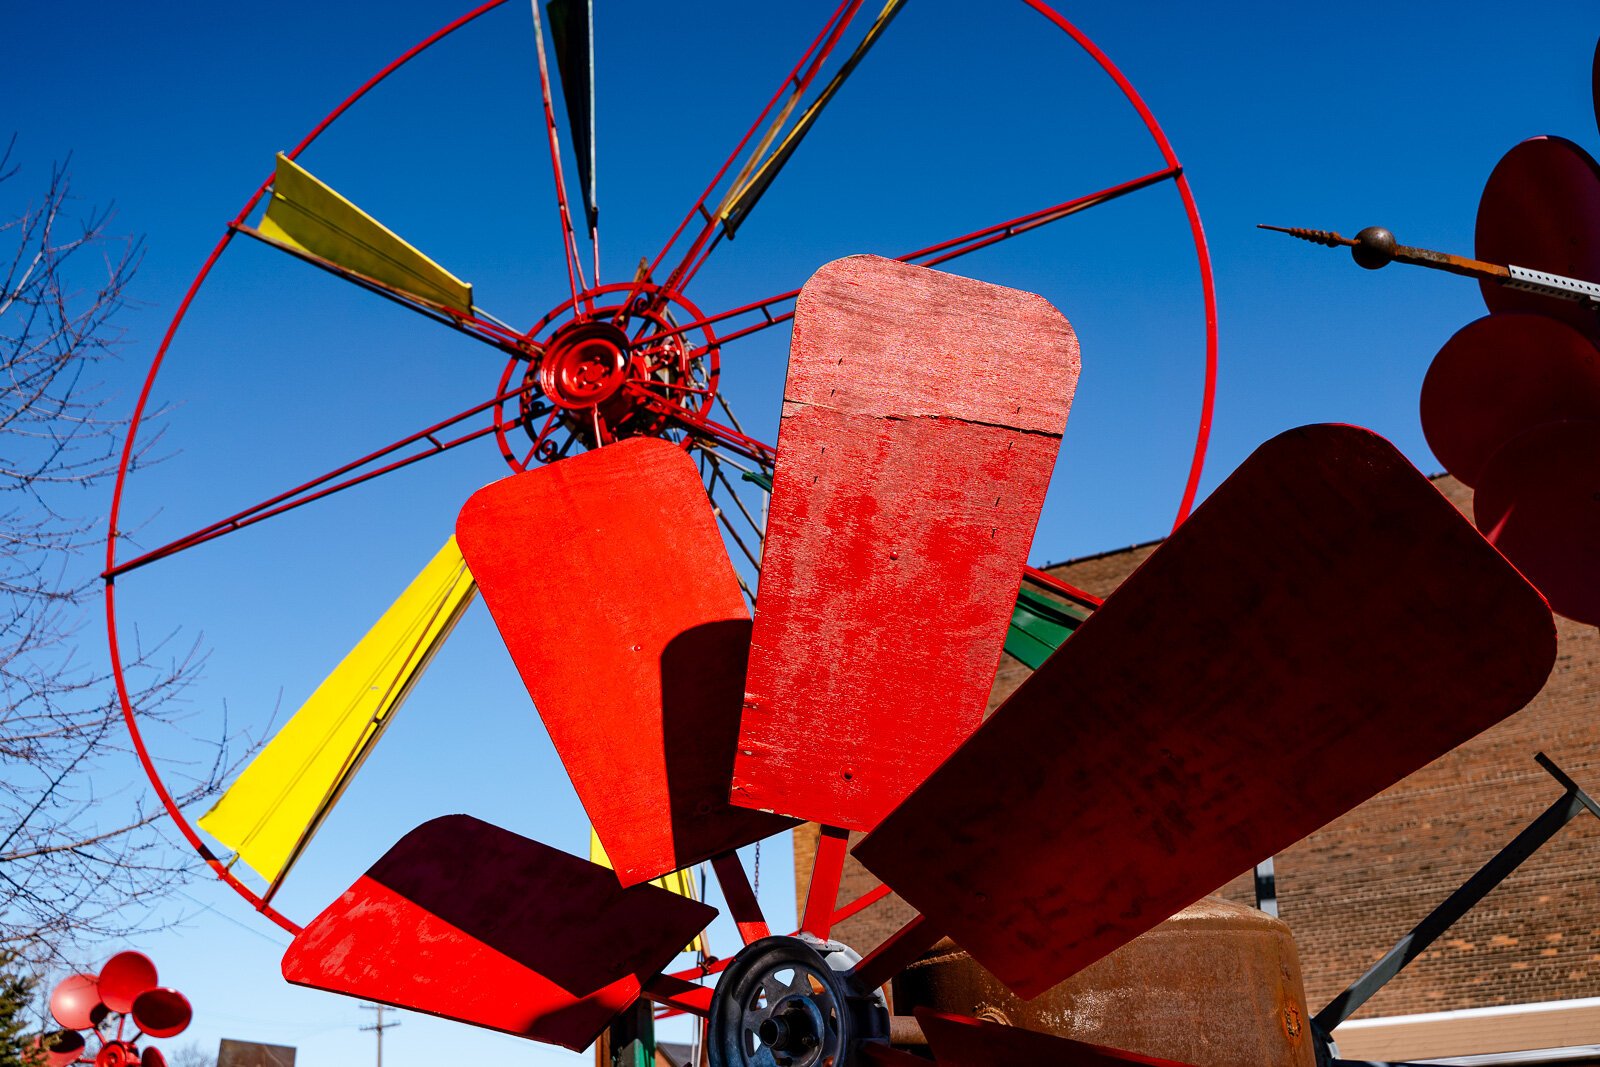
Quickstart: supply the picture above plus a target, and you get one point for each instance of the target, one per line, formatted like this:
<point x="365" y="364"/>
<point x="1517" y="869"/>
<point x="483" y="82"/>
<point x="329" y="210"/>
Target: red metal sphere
<point x="124" y="977"/>
<point x="1501" y="376"/>
<point x="1539" y="503"/>
<point x="60" y="1047"/>
<point x="1541" y="210"/>
<point x="75" y="1003"/>
<point x="162" y="1012"/>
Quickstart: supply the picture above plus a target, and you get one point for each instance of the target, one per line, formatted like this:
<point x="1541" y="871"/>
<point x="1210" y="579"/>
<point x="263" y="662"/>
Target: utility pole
<point x="380" y="1026"/>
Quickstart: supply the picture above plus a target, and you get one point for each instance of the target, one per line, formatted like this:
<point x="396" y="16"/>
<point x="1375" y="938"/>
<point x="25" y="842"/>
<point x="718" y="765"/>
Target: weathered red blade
<point x="467" y="921"/>
<point x="1325" y="624"/>
<point x="611" y="587"/>
<point x="1541" y="209"/>
<point x="957" y="1041"/>
<point x="1500" y="376"/>
<point x="1539" y="503"/>
<point x="921" y="420"/>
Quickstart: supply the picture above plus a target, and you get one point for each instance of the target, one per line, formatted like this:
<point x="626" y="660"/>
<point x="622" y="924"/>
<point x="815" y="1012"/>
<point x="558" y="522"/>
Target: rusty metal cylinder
<point x="1217" y="985"/>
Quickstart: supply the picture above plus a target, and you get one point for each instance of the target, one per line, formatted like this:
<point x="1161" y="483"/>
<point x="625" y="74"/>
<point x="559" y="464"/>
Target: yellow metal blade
<point x="679" y="882"/>
<point x="308" y="215"/>
<point x="274" y="807"/>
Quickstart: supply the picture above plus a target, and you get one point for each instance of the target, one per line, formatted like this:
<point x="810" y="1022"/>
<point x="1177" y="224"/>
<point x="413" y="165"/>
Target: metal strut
<point x="1573" y="802"/>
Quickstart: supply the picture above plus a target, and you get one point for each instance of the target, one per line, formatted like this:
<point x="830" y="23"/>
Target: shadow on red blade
<point x="1325" y="624"/>
<point x="921" y="418"/>
<point x="957" y="1041"/>
<point x="467" y="921"/>
<point x="613" y="592"/>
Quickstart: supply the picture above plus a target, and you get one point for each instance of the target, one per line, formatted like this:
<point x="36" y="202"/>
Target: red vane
<point x="1500" y="376"/>
<point x="610" y="585"/>
<point x="1314" y="633"/>
<point x="75" y="1002"/>
<point x="60" y="1047"/>
<point x="921" y="419"/>
<point x="467" y="921"/>
<point x="124" y="977"/>
<point x="957" y="1041"/>
<point x="162" y="1012"/>
<point x="152" y="1057"/>
<point x="1539" y="503"/>
<point x="1541" y="210"/>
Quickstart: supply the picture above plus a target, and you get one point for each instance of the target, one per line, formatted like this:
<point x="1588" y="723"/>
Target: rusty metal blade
<point x="1541" y="209"/>
<point x="1325" y="624"/>
<point x="1501" y="376"/>
<point x="1539" y="503"/>
<point x="921" y="420"/>
<point x="467" y="921"/>
<point x="611" y="588"/>
<point x="957" y="1041"/>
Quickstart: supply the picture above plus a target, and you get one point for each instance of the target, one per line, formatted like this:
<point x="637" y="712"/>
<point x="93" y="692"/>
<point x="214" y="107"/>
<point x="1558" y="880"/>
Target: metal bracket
<point x="1537" y="281"/>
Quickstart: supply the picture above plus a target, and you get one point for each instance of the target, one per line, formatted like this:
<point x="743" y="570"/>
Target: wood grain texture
<point x="612" y="590"/>
<point x="1325" y="624"/>
<point x="467" y="921"/>
<point x="921" y="419"/>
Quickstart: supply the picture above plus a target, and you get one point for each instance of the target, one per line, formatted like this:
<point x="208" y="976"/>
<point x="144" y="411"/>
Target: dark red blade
<point x="1325" y="624"/>
<point x="1500" y="376"/>
<point x="613" y="592"/>
<point x="467" y="921"/>
<point x="957" y="1041"/>
<point x="1541" y="209"/>
<point x="1539" y="503"/>
<point x="921" y="420"/>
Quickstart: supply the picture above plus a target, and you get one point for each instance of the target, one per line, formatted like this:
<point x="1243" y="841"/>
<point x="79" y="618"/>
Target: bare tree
<point x="76" y="865"/>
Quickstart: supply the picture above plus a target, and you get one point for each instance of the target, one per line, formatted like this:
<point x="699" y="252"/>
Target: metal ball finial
<point x="1374" y="248"/>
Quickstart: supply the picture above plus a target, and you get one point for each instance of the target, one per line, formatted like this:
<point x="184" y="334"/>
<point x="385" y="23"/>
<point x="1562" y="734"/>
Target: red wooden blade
<point x="1500" y="376"/>
<point x="467" y="921"/>
<point x="957" y="1041"/>
<point x="921" y="420"/>
<point x="611" y="587"/>
<point x="1325" y="624"/>
<point x="1541" y="209"/>
<point x="1539" y="502"/>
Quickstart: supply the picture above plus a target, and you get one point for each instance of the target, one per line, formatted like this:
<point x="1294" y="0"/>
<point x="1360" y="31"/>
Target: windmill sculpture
<point x="1310" y="636"/>
<point x="126" y="988"/>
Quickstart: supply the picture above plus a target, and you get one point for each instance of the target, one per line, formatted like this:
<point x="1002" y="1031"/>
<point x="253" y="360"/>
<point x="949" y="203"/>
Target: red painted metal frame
<point x="499" y="337"/>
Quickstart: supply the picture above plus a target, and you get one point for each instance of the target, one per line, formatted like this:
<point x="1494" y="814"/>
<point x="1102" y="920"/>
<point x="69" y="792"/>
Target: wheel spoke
<point x="569" y="241"/>
<point x="796" y="82"/>
<point x="334" y="481"/>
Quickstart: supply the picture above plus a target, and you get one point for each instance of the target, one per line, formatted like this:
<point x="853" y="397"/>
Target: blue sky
<point x="1334" y="116"/>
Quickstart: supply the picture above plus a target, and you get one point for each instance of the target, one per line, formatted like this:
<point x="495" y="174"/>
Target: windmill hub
<point x="616" y="363"/>
<point x="584" y="365"/>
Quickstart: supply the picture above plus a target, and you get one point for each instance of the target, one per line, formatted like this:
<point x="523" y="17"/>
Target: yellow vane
<point x="679" y="882"/>
<point x="272" y="810"/>
<point x="308" y="216"/>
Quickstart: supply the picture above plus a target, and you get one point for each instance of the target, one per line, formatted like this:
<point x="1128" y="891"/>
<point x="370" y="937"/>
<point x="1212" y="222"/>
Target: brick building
<point x="1519" y="973"/>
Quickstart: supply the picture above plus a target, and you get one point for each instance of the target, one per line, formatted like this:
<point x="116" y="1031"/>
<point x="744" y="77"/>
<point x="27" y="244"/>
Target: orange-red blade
<point x="921" y="419"/>
<point x="467" y="921"/>
<point x="957" y="1041"/>
<point x="1325" y="624"/>
<point x="611" y="587"/>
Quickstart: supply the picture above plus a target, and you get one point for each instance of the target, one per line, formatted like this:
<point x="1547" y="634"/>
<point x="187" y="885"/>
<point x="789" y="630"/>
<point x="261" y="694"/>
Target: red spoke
<point x="742" y="904"/>
<point x="319" y="487"/>
<point x="569" y="240"/>
<point x="1061" y="588"/>
<point x="861" y="903"/>
<point x="799" y="78"/>
<point x="726" y="436"/>
<point x="1000" y="231"/>
<point x="826" y="871"/>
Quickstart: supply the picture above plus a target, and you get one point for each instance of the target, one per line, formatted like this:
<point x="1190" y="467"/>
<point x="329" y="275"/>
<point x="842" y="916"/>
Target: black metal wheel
<point x="789" y="1002"/>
